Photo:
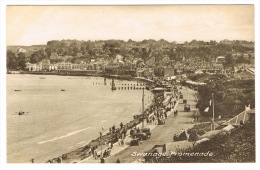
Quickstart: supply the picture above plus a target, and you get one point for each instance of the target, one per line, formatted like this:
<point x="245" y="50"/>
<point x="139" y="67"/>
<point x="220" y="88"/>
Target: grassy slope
<point x="238" y="146"/>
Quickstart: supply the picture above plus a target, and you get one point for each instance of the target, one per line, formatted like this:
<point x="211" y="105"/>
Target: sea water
<point x="56" y="121"/>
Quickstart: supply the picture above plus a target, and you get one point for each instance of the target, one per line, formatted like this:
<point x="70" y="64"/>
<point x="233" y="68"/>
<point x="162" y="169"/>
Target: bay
<point x="55" y="121"/>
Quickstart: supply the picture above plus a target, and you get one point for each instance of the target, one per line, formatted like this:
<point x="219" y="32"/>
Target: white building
<point x="220" y="59"/>
<point x="34" y="67"/>
<point x="21" y="50"/>
<point x="64" y="66"/>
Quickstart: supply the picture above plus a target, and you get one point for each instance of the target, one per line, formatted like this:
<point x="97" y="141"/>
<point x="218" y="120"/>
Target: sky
<point x="33" y="25"/>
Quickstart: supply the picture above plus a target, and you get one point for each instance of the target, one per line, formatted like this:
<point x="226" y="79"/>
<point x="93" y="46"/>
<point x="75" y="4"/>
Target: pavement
<point x="161" y="134"/>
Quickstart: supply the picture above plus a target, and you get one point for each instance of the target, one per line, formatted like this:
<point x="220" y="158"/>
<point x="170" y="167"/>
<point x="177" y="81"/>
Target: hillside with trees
<point x="107" y="49"/>
<point x="230" y="96"/>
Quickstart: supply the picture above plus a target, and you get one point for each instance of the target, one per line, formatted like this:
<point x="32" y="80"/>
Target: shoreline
<point x="118" y="77"/>
<point x="136" y="121"/>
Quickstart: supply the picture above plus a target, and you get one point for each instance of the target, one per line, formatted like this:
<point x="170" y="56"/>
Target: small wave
<point x="64" y="136"/>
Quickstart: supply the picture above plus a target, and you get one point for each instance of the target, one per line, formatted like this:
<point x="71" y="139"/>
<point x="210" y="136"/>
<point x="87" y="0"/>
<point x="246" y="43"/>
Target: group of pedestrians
<point x="117" y="135"/>
<point x="56" y="160"/>
<point x="93" y="152"/>
<point x="121" y="141"/>
<point x="158" y="112"/>
<point x="155" y="114"/>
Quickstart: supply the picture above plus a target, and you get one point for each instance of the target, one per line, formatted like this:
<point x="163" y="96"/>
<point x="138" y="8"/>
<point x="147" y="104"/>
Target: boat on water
<point x="42" y="77"/>
<point x="62" y="90"/>
<point x="21" y="113"/>
<point x="17" y="90"/>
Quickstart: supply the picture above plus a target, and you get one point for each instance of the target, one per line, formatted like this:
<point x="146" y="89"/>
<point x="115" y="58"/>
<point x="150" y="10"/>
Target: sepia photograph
<point x="91" y="84"/>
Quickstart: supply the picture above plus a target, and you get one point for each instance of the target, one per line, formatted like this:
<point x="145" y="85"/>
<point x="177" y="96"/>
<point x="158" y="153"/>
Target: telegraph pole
<point x="143" y="108"/>
<point x="101" y="155"/>
<point x="213" y="112"/>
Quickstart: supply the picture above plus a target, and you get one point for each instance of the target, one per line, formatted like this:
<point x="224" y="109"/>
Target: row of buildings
<point x="141" y="69"/>
<point x="45" y="65"/>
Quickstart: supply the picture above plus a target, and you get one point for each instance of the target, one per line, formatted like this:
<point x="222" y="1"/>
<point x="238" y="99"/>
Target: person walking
<point x="109" y="145"/>
<point x="197" y="117"/>
<point x="89" y="151"/>
<point x="122" y="142"/>
<point x="92" y="151"/>
<point x="125" y="131"/>
<point x="119" y="141"/>
<point x="59" y="159"/>
<point x="49" y="161"/>
<point x="95" y="154"/>
<point x="113" y="128"/>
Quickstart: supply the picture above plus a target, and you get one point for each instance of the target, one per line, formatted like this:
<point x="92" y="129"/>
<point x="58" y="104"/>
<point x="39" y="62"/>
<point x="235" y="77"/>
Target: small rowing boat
<point x="21" y="113"/>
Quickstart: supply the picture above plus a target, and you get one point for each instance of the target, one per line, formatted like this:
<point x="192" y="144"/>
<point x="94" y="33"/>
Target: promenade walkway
<point x="161" y="134"/>
<point x="119" y="148"/>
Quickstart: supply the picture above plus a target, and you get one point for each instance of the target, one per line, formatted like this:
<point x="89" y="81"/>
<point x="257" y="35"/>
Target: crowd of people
<point x="117" y="135"/>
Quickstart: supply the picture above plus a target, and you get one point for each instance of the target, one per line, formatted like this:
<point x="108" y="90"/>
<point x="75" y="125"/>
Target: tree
<point x="83" y="49"/>
<point x="241" y="59"/>
<point x="38" y="56"/>
<point x="75" y="50"/>
<point x="53" y="43"/>
<point x="43" y="54"/>
<point x="193" y="42"/>
<point x="21" y="62"/>
<point x="49" y="50"/>
<point x="60" y="51"/>
<point x="229" y="60"/>
<point x="213" y="42"/>
<point x="11" y="60"/>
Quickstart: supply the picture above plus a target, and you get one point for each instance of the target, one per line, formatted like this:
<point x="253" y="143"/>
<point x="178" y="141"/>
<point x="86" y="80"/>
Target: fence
<point x="243" y="116"/>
